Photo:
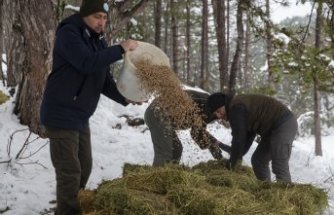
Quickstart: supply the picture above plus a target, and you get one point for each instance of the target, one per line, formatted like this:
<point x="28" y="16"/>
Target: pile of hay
<point x="207" y="188"/>
<point x="3" y="97"/>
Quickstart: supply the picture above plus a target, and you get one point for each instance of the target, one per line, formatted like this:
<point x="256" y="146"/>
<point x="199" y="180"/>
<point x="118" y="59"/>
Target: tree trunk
<point x="166" y="29"/>
<point x="175" y="38"/>
<point x="219" y="16"/>
<point x="30" y="55"/>
<point x="2" y="76"/>
<point x="157" y="15"/>
<point x="247" y="81"/>
<point x="317" y="125"/>
<point x="227" y="40"/>
<point x="188" y="45"/>
<point x="235" y="67"/>
<point x="204" y="47"/>
<point x="7" y="20"/>
<point x="16" y="54"/>
<point x="330" y="21"/>
<point x="271" y="84"/>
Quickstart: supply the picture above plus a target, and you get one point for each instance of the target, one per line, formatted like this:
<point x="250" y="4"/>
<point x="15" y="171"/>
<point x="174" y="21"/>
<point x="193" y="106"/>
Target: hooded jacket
<point x="80" y="73"/>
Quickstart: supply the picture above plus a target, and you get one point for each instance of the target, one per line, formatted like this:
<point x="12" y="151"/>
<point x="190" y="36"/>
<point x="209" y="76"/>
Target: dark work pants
<point x="275" y="147"/>
<point x="72" y="159"/>
<point x="167" y="146"/>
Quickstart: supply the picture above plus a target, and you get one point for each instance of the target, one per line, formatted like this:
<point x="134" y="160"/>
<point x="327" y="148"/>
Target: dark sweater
<point x="250" y="115"/>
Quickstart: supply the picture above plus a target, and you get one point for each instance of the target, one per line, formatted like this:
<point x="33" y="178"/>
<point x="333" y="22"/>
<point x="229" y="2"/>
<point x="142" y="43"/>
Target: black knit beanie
<point x="215" y="101"/>
<point x="89" y="7"/>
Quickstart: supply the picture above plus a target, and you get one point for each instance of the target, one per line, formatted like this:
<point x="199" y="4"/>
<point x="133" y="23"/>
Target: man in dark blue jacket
<point x="80" y="73"/>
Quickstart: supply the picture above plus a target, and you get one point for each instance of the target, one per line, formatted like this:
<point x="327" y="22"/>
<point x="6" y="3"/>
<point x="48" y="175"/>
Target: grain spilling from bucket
<point x="173" y="104"/>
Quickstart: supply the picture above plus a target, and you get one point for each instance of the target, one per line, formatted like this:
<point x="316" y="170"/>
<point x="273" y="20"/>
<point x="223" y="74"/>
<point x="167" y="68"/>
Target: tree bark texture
<point x="317" y="125"/>
<point x="204" y="82"/>
<point x="189" y="75"/>
<point x="2" y="76"/>
<point x="247" y="81"/>
<point x="157" y="14"/>
<point x="220" y="20"/>
<point x="227" y="40"/>
<point x="175" y="39"/>
<point x="166" y="19"/>
<point x="15" y="40"/>
<point x="235" y="67"/>
<point x="269" y="47"/>
<point x="30" y="54"/>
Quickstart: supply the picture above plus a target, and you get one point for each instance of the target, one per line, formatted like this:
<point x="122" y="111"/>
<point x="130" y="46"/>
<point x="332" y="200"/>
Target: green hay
<point x="300" y="199"/>
<point x="217" y="175"/>
<point x="212" y="200"/>
<point x="207" y="188"/>
<point x="160" y="180"/>
<point x="113" y="197"/>
<point x="3" y="97"/>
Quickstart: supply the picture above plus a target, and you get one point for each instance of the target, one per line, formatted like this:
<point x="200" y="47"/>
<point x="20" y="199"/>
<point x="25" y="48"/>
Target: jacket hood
<point x="78" y="21"/>
<point x="74" y="19"/>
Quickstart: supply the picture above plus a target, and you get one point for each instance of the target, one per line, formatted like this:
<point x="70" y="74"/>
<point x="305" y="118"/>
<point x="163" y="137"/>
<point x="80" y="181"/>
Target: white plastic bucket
<point x="128" y="83"/>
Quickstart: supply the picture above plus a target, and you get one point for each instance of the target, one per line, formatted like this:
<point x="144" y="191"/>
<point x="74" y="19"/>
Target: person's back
<point x="263" y="111"/>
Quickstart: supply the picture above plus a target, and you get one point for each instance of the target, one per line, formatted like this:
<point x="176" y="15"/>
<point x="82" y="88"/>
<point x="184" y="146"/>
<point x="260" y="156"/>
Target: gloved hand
<point x="216" y="152"/>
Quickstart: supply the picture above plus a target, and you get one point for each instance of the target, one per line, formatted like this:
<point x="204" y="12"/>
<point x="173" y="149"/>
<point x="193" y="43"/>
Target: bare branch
<point x="23" y="148"/>
<point x="128" y="14"/>
<point x="331" y="177"/>
<point x="33" y="163"/>
<point x="31" y="154"/>
<point x="6" y="162"/>
<point x="9" y="145"/>
<point x="19" y="155"/>
<point x="4" y="210"/>
<point x="309" y="23"/>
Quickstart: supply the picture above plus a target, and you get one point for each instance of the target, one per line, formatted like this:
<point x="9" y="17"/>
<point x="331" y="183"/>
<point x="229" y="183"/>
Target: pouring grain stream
<point x="179" y="109"/>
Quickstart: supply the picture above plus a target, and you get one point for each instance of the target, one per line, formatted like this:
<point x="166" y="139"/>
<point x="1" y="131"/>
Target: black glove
<point x="216" y="152"/>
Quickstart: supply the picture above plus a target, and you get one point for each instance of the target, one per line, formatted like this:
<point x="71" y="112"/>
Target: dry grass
<point x="3" y="97"/>
<point x="207" y="188"/>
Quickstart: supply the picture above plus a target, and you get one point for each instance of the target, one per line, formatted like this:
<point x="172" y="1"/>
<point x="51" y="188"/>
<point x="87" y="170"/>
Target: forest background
<point x="217" y="45"/>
